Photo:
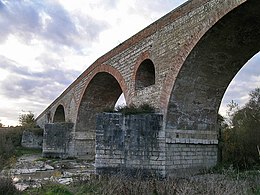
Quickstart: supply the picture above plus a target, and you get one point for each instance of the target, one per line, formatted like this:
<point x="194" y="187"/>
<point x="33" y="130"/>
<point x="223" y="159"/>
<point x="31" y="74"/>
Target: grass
<point x="49" y="189"/>
<point x="7" y="187"/>
<point x="218" y="184"/>
<point x="10" y="138"/>
<point x="19" y="151"/>
<point x="10" y="145"/>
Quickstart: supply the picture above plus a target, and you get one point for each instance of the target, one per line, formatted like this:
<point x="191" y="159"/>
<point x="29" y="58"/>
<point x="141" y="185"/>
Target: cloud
<point x="246" y="80"/>
<point x="26" y="83"/>
<point x="47" y="21"/>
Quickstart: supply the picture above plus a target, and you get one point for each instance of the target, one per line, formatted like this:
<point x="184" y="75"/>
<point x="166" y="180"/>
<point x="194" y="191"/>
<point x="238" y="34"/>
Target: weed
<point x="132" y="109"/>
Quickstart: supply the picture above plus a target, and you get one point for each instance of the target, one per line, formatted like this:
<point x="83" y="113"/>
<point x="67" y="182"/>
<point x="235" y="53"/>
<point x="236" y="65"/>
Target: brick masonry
<point x="196" y="50"/>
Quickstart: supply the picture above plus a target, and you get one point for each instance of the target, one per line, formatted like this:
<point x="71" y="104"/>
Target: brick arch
<point x="102" y="91"/>
<point x="207" y="64"/>
<point x="111" y="70"/>
<point x="143" y="56"/>
<point x="144" y="71"/>
<point x="185" y="50"/>
<point x="59" y="114"/>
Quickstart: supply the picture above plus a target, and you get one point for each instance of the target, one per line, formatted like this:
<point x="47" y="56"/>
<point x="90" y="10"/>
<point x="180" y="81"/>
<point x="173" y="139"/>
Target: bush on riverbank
<point x="10" y="138"/>
<point x="10" y="145"/>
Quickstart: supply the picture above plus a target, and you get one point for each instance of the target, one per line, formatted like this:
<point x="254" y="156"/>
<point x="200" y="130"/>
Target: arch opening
<point x="59" y="115"/>
<point x="210" y="67"/>
<point x="245" y="81"/>
<point x="102" y="92"/>
<point x="145" y="75"/>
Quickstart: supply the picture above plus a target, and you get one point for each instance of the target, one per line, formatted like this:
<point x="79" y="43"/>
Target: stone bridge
<point x="181" y="65"/>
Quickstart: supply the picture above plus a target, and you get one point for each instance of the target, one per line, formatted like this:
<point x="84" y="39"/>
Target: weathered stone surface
<point x="57" y="140"/>
<point x="129" y="143"/>
<point x="33" y="171"/>
<point x="32" y="138"/>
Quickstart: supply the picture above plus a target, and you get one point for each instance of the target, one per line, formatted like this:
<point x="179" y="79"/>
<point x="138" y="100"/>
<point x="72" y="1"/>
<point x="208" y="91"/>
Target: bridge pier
<point x="135" y="143"/>
<point x="190" y="151"/>
<point x="84" y="145"/>
<point x="58" y="140"/>
<point x="131" y="144"/>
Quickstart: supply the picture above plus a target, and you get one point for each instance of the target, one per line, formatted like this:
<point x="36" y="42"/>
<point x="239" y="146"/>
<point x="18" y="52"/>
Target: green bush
<point x="10" y="139"/>
<point x="49" y="189"/>
<point x="27" y="120"/>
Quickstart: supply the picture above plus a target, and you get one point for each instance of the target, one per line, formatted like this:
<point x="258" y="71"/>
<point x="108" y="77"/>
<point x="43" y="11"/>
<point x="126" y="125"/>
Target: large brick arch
<point x="102" y="91"/>
<point x="208" y="64"/>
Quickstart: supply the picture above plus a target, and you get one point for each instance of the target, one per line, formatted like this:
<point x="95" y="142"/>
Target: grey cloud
<point x="46" y="85"/>
<point x="1" y="5"/>
<point x="44" y="88"/>
<point x="25" y="19"/>
<point x="19" y="18"/>
<point x="13" y="67"/>
<point x="244" y="82"/>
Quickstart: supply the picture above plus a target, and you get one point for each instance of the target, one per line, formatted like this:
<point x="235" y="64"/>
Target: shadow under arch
<point x="145" y="74"/>
<point x="210" y="67"/>
<point x="59" y="115"/>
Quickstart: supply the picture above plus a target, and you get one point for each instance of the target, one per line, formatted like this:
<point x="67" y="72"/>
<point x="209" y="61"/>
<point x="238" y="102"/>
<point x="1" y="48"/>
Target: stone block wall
<point x="84" y="145"/>
<point x="57" y="140"/>
<point x="130" y="143"/>
<point x="190" y="151"/>
<point x="32" y="138"/>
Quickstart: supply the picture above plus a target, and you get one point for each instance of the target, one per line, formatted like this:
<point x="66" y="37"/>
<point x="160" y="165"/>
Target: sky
<point x="46" y="44"/>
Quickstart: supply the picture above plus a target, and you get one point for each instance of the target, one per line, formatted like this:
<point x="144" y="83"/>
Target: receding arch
<point x="59" y="115"/>
<point x="210" y="67"/>
<point x="145" y="75"/>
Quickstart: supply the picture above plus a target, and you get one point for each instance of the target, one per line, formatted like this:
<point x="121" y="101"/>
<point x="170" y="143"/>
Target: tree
<point x="27" y="120"/>
<point x="242" y="136"/>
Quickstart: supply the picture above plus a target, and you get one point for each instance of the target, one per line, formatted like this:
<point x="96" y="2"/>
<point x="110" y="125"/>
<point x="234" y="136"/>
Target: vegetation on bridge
<point x="132" y="109"/>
